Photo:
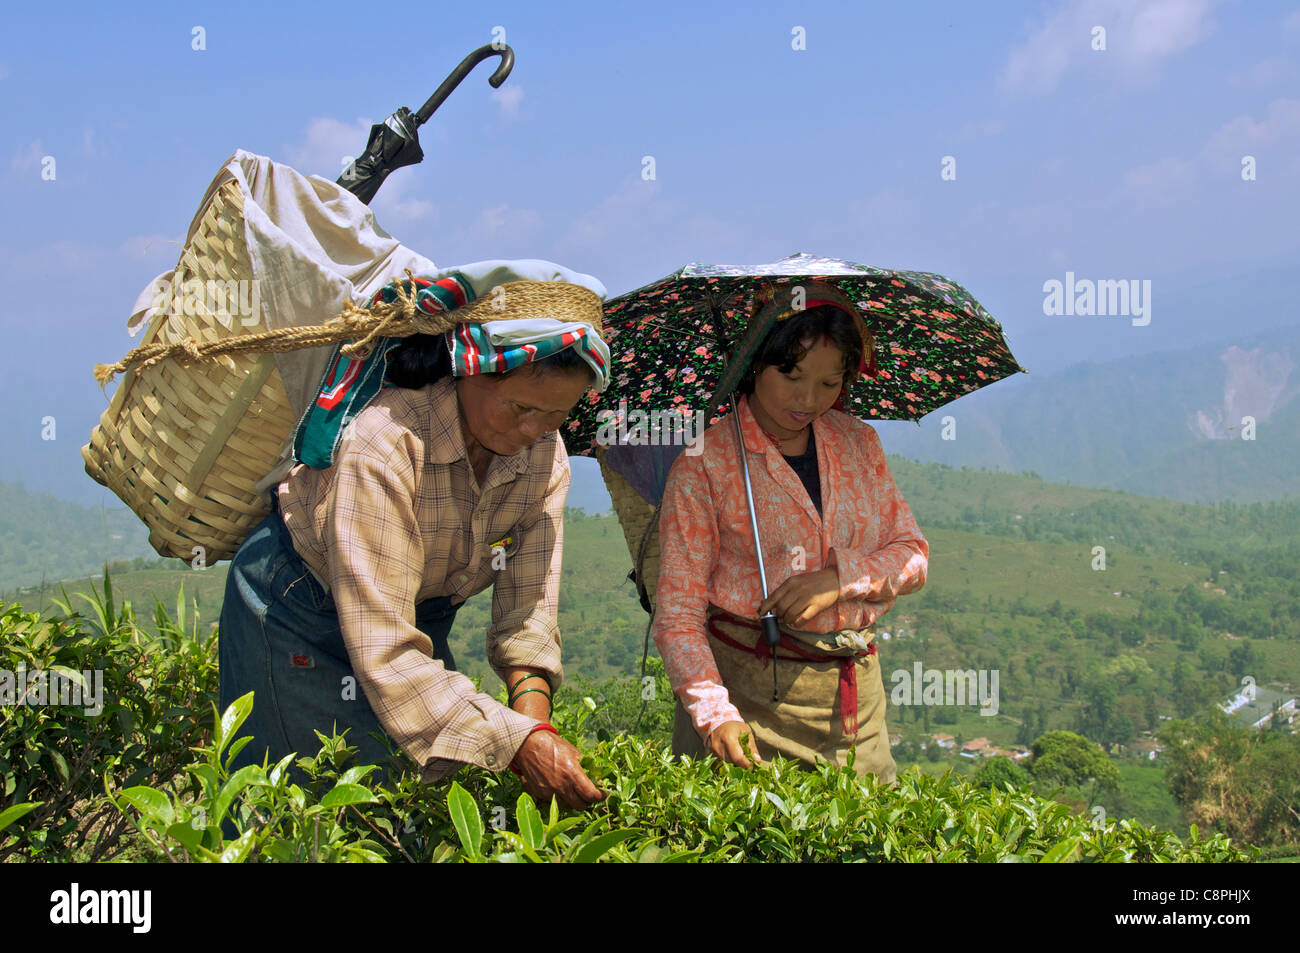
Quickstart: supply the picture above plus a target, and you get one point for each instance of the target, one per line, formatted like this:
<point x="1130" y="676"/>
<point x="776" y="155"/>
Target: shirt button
<point x="462" y="578"/>
<point x="490" y="760"/>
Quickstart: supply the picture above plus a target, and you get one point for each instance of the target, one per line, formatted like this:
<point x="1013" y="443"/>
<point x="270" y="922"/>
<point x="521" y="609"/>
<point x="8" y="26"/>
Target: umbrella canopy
<point x="681" y="344"/>
<point x="670" y="341"/>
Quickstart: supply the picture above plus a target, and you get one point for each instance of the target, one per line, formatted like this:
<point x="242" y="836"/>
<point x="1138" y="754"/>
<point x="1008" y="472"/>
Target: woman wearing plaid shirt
<point x="339" y="603"/>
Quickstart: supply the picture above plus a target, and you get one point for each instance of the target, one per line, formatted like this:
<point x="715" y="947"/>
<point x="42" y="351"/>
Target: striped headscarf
<point x="349" y="384"/>
<point x="496" y="346"/>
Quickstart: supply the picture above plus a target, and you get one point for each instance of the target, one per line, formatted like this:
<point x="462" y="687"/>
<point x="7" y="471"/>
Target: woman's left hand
<point x="797" y="600"/>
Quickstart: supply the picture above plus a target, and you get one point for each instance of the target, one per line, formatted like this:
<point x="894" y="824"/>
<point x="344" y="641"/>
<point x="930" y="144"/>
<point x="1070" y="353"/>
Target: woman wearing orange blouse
<point x="839" y="546"/>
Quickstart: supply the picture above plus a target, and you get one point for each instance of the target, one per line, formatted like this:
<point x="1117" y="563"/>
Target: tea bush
<point x="156" y="690"/>
<point x="657" y="809"/>
<point x="149" y="779"/>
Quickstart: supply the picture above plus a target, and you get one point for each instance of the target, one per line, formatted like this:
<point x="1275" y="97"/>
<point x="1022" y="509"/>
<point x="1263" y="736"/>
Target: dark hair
<point x="423" y="359"/>
<point x="784" y="345"/>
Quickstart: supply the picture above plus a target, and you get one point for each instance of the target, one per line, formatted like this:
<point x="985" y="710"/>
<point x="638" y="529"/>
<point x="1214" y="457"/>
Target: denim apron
<point x="279" y="637"/>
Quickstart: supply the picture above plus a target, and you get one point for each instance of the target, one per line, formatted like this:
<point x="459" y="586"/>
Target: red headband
<point x="866" y="363"/>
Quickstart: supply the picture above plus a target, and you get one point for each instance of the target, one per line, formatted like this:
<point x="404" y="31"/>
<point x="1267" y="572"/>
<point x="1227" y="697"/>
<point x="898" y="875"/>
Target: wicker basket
<point x="201" y="424"/>
<point x="640" y="521"/>
<point x="184" y="444"/>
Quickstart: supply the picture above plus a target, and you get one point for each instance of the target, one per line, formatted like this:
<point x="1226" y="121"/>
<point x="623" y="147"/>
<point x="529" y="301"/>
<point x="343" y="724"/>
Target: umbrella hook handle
<point x="460" y="72"/>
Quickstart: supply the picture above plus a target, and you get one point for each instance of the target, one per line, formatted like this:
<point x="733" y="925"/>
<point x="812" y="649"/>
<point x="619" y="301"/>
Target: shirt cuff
<point x="874" y="609"/>
<point x="493" y="746"/>
<point x="709" y="707"/>
<point x="527" y="649"/>
<point x="868" y="576"/>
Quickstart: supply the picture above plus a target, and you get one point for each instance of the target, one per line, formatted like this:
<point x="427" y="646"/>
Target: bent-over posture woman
<point x="450" y="480"/>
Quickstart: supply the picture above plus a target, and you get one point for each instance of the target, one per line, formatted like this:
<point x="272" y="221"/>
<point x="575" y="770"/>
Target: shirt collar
<point x="756" y="441"/>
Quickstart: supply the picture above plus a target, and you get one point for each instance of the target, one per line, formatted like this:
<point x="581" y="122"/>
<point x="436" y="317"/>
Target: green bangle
<point x="515" y="698"/>
<point x="527" y="677"/>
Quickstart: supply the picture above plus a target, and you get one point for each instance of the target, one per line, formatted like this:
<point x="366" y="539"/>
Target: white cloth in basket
<point x="313" y="245"/>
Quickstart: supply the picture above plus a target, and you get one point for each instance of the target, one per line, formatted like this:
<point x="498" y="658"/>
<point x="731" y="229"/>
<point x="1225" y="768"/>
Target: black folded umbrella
<point x="395" y="142"/>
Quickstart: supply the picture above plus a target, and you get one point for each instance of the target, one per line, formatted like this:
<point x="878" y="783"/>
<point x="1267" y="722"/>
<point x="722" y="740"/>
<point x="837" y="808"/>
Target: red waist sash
<point x="801" y="653"/>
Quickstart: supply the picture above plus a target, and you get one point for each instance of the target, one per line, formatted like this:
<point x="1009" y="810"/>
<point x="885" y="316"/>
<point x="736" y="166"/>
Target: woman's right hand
<point x="551" y="767"/>
<point x="724" y="744"/>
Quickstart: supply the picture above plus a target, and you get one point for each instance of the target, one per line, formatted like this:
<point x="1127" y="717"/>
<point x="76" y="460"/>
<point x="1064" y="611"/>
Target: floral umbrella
<point x="670" y="341"/>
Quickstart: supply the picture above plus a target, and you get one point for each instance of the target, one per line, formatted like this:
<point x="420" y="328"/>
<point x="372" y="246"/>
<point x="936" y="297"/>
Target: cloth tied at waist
<point x="841" y="648"/>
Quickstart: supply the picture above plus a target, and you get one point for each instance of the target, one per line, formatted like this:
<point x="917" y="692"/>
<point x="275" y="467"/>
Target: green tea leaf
<point x="467" y="820"/>
<point x="342" y="795"/>
<point x="777" y="799"/>
<point x="231" y="719"/>
<point x="189" y="836"/>
<point x="237" y="851"/>
<point x="1062" y="852"/>
<point x="60" y="765"/>
<point x="249" y="774"/>
<point x="357" y="774"/>
<point x="72" y="675"/>
<point x="11" y="814"/>
<point x="151" y="803"/>
<point x="598" y="846"/>
<point x="529" y="821"/>
<point x="559" y="827"/>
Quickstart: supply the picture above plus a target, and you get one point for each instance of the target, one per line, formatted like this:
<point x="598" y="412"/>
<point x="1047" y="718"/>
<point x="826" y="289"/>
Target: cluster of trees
<point x="1256" y="609"/>
<point x="1060" y="759"/>
<point x="1233" y="779"/>
<point x="1224" y="777"/>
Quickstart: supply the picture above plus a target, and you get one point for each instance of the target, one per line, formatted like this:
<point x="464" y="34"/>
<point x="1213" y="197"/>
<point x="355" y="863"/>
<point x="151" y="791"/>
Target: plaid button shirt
<point x="400" y="518"/>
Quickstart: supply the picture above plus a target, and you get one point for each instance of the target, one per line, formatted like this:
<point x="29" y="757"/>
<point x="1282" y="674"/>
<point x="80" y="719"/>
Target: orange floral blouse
<point x="707" y="544"/>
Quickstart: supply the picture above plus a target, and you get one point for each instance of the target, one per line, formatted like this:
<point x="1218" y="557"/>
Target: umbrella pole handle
<point x="460" y="72"/>
<point x="771" y="627"/>
<point x="772" y="635"/>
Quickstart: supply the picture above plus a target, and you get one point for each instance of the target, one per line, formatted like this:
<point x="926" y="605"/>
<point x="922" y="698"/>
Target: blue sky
<point x="1122" y="163"/>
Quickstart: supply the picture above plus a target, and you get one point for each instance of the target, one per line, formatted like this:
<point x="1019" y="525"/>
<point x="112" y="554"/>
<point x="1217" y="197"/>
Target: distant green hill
<point x="43" y="537"/>
<point x="1161" y="425"/>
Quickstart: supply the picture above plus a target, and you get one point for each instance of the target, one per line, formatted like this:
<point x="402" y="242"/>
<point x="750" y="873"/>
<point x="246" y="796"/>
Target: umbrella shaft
<point x="749" y="495"/>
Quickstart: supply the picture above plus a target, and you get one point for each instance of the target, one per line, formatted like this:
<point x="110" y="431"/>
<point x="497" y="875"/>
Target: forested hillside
<point x="1165" y="424"/>
<point x="43" y="537"/>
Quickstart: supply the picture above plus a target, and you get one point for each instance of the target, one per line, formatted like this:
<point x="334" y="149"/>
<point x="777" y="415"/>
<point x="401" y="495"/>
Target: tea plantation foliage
<point x="146" y="779"/>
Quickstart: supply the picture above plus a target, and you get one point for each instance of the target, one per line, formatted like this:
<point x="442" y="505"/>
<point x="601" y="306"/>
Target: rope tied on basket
<point x="416" y="305"/>
<point x="405" y="307"/>
<point x="400" y="317"/>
